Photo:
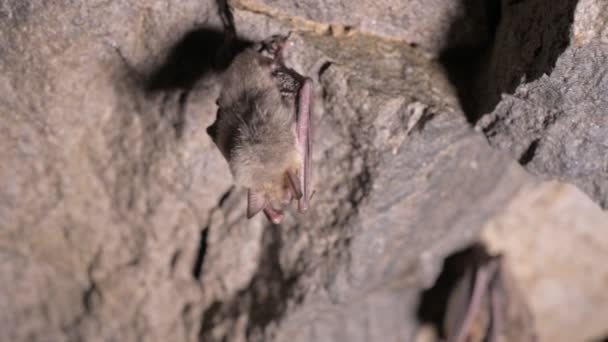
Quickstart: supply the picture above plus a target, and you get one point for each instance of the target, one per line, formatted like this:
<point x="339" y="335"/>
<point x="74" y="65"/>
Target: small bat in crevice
<point x="263" y="129"/>
<point x="486" y="305"/>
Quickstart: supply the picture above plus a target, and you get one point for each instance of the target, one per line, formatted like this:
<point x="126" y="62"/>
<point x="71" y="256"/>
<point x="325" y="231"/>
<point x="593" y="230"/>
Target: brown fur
<point x="255" y="126"/>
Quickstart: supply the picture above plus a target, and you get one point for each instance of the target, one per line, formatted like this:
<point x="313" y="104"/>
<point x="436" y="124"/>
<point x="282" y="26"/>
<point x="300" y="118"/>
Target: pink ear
<point x="256" y="201"/>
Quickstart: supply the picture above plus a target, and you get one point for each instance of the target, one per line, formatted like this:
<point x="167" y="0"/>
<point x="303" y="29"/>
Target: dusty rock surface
<point x="556" y="126"/>
<point x="432" y="26"/>
<point x="554" y="239"/>
<point x="118" y="218"/>
<point x="555" y="120"/>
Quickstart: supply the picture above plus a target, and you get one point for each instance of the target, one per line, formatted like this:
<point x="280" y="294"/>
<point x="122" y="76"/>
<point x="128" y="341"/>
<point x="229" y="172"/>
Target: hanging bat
<point x="263" y="129"/>
<point x="486" y="305"/>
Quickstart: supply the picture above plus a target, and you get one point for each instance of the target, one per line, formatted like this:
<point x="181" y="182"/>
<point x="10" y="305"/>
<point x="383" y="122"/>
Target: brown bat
<point x="486" y="305"/>
<point x="263" y="129"/>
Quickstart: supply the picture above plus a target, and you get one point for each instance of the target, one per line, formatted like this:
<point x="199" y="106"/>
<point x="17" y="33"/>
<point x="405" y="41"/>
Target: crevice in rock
<point x="197" y="270"/>
<point x="175" y="258"/>
<point x="463" y="63"/>
<point x="528" y="155"/>
<point x="272" y="288"/>
<point x="524" y="40"/>
<point x="225" y="196"/>
<point x="323" y="68"/>
<point x="197" y="267"/>
<point x="180" y="120"/>
<point x="530" y="39"/>
<point x="433" y="302"/>
<point x="362" y="182"/>
<point x="90" y="295"/>
<point x="92" y="290"/>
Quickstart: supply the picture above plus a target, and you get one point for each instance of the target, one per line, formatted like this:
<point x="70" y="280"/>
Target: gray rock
<point x="553" y="236"/>
<point x="557" y="126"/>
<point x="388" y="205"/>
<point x="543" y="91"/>
<point x="433" y="26"/>
<point x="119" y="219"/>
<point x="590" y="21"/>
<point x="529" y="38"/>
<point x="101" y="203"/>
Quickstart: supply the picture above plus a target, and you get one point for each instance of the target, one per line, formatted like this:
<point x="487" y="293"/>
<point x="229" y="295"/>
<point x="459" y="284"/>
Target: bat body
<point x="263" y="129"/>
<point x="486" y="306"/>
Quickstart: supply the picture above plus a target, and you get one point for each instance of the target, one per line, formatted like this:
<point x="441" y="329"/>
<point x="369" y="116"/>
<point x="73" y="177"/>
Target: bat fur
<point x="259" y="130"/>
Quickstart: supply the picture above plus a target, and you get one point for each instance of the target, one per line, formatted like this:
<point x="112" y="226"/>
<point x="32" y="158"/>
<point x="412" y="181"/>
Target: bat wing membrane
<point x="304" y="130"/>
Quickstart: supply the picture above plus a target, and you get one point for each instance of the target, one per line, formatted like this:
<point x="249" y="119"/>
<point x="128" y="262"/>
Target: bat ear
<point x="256" y="201"/>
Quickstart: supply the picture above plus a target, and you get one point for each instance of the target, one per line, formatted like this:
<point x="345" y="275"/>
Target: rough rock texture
<point x="558" y="258"/>
<point x="433" y="26"/>
<point x="557" y="126"/>
<point x="529" y="38"/>
<point x="101" y="205"/>
<point x="555" y="122"/>
<point x="118" y="219"/>
<point x="590" y="22"/>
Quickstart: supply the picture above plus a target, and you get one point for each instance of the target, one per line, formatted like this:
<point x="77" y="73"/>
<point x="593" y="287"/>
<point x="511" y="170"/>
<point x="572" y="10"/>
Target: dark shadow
<point x="265" y="299"/>
<point x="433" y="303"/>
<point x="197" y="270"/>
<point x="528" y="155"/>
<point x="519" y="40"/>
<point x="463" y="61"/>
<point x="197" y="54"/>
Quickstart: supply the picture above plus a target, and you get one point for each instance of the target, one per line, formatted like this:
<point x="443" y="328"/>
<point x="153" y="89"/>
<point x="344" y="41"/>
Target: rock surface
<point x="558" y="258"/>
<point x="118" y="216"/>
<point x="557" y="126"/>
<point x="555" y="122"/>
<point x="529" y="38"/>
<point x="432" y="26"/>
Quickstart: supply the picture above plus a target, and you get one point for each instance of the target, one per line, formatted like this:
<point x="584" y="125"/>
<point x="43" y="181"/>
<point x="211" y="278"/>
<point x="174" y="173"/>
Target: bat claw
<point x="295" y="185"/>
<point x="302" y="205"/>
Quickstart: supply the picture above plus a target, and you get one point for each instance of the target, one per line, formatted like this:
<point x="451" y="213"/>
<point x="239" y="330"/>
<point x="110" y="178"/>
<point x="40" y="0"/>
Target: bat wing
<point x="304" y="136"/>
<point x="474" y="306"/>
